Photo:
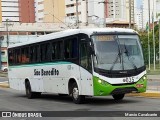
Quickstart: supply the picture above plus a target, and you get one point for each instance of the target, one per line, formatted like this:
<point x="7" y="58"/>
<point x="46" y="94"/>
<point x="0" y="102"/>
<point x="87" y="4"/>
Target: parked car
<point x="5" y="69"/>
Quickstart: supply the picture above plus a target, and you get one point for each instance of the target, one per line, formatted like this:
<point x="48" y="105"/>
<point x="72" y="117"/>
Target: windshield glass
<point x="117" y="52"/>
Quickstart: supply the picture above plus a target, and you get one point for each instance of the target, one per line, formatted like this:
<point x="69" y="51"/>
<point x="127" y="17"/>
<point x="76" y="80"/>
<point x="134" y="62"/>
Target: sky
<point x="139" y="3"/>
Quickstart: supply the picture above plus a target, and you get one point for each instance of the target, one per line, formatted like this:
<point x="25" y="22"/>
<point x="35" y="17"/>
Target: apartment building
<point x="146" y="11"/>
<point x="17" y="11"/>
<point x="50" y="11"/>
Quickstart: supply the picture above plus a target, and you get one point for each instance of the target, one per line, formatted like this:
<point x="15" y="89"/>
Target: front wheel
<point x="78" y="99"/>
<point x="118" y="96"/>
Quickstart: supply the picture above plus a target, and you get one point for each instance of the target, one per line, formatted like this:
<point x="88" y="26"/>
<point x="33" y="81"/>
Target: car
<point x="5" y="69"/>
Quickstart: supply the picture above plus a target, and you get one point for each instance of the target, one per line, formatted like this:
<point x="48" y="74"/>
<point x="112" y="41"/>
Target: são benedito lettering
<point x="43" y="72"/>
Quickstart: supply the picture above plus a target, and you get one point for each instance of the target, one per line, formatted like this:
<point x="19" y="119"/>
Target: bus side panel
<point x="68" y="71"/>
<point x="15" y="80"/>
<point x="86" y="82"/>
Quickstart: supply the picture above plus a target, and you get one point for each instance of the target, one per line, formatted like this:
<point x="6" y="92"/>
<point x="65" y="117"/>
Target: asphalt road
<point x="2" y="79"/>
<point x="11" y="100"/>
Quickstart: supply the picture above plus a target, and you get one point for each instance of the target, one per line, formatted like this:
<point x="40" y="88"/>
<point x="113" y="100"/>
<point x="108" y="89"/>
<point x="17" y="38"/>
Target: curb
<point x="150" y="94"/>
<point x="4" y="85"/>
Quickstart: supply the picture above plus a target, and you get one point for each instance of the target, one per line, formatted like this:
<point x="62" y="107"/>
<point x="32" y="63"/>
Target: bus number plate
<point x="128" y="80"/>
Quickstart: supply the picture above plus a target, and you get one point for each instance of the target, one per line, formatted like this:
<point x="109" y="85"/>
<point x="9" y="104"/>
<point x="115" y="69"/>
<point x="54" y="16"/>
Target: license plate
<point x="128" y="80"/>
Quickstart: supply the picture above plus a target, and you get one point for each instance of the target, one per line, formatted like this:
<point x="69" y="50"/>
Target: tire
<point x="29" y="92"/>
<point x="77" y="99"/>
<point x="118" y="96"/>
<point x="5" y="70"/>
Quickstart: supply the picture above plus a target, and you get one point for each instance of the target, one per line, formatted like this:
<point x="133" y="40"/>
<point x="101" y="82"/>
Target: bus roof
<point x="69" y="32"/>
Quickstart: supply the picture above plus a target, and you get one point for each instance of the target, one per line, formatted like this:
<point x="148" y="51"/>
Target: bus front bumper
<point x="103" y="88"/>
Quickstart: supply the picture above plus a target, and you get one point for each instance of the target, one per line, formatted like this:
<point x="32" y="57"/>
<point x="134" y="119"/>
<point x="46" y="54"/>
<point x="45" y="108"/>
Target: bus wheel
<point x="78" y="99"/>
<point x="118" y="96"/>
<point x="29" y="92"/>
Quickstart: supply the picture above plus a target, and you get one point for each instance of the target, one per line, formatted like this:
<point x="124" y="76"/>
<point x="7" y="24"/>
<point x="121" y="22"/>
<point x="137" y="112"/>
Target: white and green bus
<point x="79" y="63"/>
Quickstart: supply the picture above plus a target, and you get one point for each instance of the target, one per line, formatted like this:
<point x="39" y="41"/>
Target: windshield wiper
<point x="118" y="56"/>
<point x="128" y="56"/>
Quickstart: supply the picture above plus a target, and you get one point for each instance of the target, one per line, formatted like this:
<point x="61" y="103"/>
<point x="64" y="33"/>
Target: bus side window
<point x="53" y="51"/>
<point x="71" y="48"/>
<point x="85" y="58"/>
<point x="17" y="56"/>
<point x="56" y="50"/>
<point x="25" y="55"/>
<point x="11" y="57"/>
<point x="45" y="52"/>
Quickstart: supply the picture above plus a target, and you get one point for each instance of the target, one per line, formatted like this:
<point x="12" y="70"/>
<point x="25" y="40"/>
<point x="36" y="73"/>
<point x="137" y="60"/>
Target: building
<point x="146" y="11"/>
<point x="17" y="11"/>
<point x="50" y="11"/>
<point x="116" y="9"/>
<point x="139" y="19"/>
<point x="158" y="9"/>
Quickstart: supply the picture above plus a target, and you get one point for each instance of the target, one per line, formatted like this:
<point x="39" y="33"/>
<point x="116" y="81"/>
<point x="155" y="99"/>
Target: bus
<point x="79" y="63"/>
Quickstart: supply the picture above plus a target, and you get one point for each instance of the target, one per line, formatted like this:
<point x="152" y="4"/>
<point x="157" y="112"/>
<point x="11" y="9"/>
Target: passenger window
<point x="71" y="48"/>
<point x="85" y="58"/>
<point x="17" y="56"/>
<point x="25" y="55"/>
<point x="45" y="52"/>
<point x="11" y="57"/>
<point x="57" y="50"/>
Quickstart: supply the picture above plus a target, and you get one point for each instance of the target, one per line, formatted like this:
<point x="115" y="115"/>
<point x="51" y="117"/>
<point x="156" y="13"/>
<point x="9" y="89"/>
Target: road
<point x="3" y="79"/>
<point x="11" y="100"/>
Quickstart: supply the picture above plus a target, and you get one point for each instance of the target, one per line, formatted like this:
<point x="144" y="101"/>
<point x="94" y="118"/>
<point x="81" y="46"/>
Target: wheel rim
<point x="75" y="93"/>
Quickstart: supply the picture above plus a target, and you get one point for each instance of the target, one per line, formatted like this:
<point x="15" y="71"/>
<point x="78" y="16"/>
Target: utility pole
<point x="149" y="57"/>
<point x="104" y="2"/>
<point x="7" y="32"/>
<point x="129" y="13"/>
<point x="77" y="16"/>
<point x="154" y="62"/>
<point x="159" y="42"/>
<point x="87" y="22"/>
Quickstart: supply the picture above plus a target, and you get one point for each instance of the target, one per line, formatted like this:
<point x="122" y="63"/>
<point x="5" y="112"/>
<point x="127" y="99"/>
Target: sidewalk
<point x="148" y="93"/>
<point x="4" y="85"/>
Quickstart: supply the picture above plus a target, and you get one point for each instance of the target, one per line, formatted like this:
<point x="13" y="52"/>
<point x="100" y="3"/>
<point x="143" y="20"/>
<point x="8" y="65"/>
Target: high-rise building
<point x="158" y="9"/>
<point x="52" y="11"/>
<point x="71" y="11"/>
<point x="9" y="10"/>
<point x="146" y="11"/>
<point x="139" y="19"/>
<point x="17" y="11"/>
<point x="26" y="11"/>
<point x="116" y="9"/>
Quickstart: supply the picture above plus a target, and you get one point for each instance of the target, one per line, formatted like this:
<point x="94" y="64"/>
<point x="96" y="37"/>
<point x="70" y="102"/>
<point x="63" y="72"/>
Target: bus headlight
<point x="99" y="81"/>
<point x="144" y="77"/>
<point x="102" y="82"/>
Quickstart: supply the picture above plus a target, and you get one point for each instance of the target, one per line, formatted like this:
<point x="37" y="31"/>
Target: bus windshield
<point x="117" y="52"/>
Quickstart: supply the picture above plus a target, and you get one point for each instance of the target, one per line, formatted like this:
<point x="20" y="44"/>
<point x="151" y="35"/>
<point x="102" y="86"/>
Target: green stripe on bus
<point x="40" y="64"/>
<point x="104" y="88"/>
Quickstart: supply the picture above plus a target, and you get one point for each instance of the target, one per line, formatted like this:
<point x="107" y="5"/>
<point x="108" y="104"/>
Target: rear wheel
<point x="78" y="99"/>
<point x="118" y="96"/>
<point x="29" y="92"/>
